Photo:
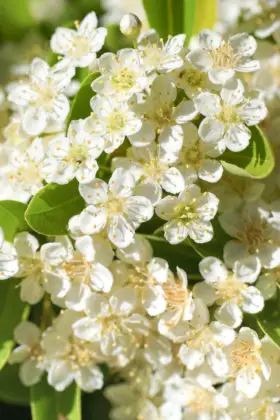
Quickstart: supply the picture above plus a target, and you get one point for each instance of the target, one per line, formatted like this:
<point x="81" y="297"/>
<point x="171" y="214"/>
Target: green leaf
<point x="12" y="218"/>
<point x="12" y="311"/>
<point x="256" y="161"/>
<point x="206" y="15"/>
<point x="171" y="17"/>
<point x="96" y="406"/>
<point x="49" y="211"/>
<point x="11" y="389"/>
<point x="47" y="404"/>
<point x="80" y="107"/>
<point x="269" y="319"/>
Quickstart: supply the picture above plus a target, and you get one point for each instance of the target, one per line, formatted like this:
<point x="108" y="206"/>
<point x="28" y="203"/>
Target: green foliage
<point x="171" y="17"/>
<point x="47" y="404"/>
<point x="12" y="311"/>
<point x="14" y="19"/>
<point x="80" y="107"/>
<point x="11" y="389"/>
<point x="269" y="319"/>
<point x="12" y="218"/>
<point x="206" y="15"/>
<point x="49" y="211"/>
<point x="256" y="161"/>
<point x="115" y="40"/>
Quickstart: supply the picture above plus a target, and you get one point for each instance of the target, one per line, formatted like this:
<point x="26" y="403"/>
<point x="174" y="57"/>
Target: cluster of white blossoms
<point x="148" y="160"/>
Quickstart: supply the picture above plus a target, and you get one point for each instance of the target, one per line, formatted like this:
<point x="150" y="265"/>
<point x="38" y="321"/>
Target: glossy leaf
<point x="12" y="311"/>
<point x="80" y="107"/>
<point x="269" y="319"/>
<point x="11" y="389"/>
<point x="47" y="404"/>
<point x="49" y="211"/>
<point x="12" y="218"/>
<point x="171" y="17"/>
<point x="256" y="161"/>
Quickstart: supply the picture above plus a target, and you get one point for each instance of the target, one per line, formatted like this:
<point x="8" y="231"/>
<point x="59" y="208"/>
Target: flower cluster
<point x="151" y="161"/>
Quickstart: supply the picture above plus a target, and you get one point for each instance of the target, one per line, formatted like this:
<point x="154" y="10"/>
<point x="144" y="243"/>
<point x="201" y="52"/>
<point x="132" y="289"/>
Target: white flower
<point x="147" y="275"/>
<point x="267" y="78"/>
<point x="232" y="291"/>
<point x="42" y="98"/>
<point x="162" y="116"/>
<point x="189" y="214"/>
<point x="269" y="282"/>
<point x="73" y="156"/>
<point x="8" y="258"/>
<point x="180" y="306"/>
<point x="191" y="80"/>
<point x="233" y="191"/>
<point x="115" y="207"/>
<point x="222" y="59"/>
<point x="113" y="323"/>
<point x="29" y="353"/>
<point x="255" y="233"/>
<point x="157" y="56"/>
<point x="70" y="359"/>
<point x="197" y="400"/>
<point x="31" y="267"/>
<point x="247" y="363"/>
<point x="113" y="120"/>
<point x="25" y="173"/>
<point x="228" y="115"/>
<point x="207" y="343"/>
<point x="152" y="170"/>
<point x="80" y="46"/>
<point x="197" y="158"/>
<point x="74" y="274"/>
<point x="121" y="75"/>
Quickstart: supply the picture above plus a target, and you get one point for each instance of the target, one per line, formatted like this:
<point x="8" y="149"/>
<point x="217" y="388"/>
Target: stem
<point x="191" y="244"/>
<point x="47" y="313"/>
<point x="158" y="230"/>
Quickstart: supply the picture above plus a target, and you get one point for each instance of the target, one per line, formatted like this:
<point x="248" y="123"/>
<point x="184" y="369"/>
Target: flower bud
<point x="130" y="25"/>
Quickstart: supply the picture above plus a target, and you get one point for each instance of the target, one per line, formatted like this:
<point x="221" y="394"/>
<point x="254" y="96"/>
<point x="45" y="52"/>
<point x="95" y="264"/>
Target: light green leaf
<point x="206" y="15"/>
<point x="80" y="107"/>
<point x="171" y="17"/>
<point x="11" y="389"/>
<point x="256" y="161"/>
<point x="47" y="404"/>
<point x="12" y="311"/>
<point x="49" y="211"/>
<point x="12" y="218"/>
<point x="269" y="319"/>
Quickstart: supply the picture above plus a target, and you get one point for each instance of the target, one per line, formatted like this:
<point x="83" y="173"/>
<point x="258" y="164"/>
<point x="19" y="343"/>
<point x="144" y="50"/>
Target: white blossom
<point x="189" y="214"/>
<point x="80" y="46"/>
<point x="8" y="258"/>
<point x="229" y="115"/>
<point x="221" y="59"/>
<point x="114" y="207"/>
<point x="42" y="97"/>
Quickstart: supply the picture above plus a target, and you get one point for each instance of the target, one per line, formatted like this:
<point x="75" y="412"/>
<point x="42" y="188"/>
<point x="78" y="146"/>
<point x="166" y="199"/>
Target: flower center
<point x="224" y="57"/>
<point x="231" y="290"/>
<point x="78" y="154"/>
<point x="117" y="122"/>
<point x="244" y="354"/>
<point x="193" y="77"/>
<point x="79" y="354"/>
<point x="192" y="156"/>
<point x="154" y="169"/>
<point x="114" y="206"/>
<point x="36" y="352"/>
<point x="31" y="266"/>
<point x="200" y="339"/>
<point x="253" y="234"/>
<point x="161" y="117"/>
<point x="78" y="269"/>
<point x="202" y="401"/>
<point x="124" y="79"/>
<point x="228" y="115"/>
